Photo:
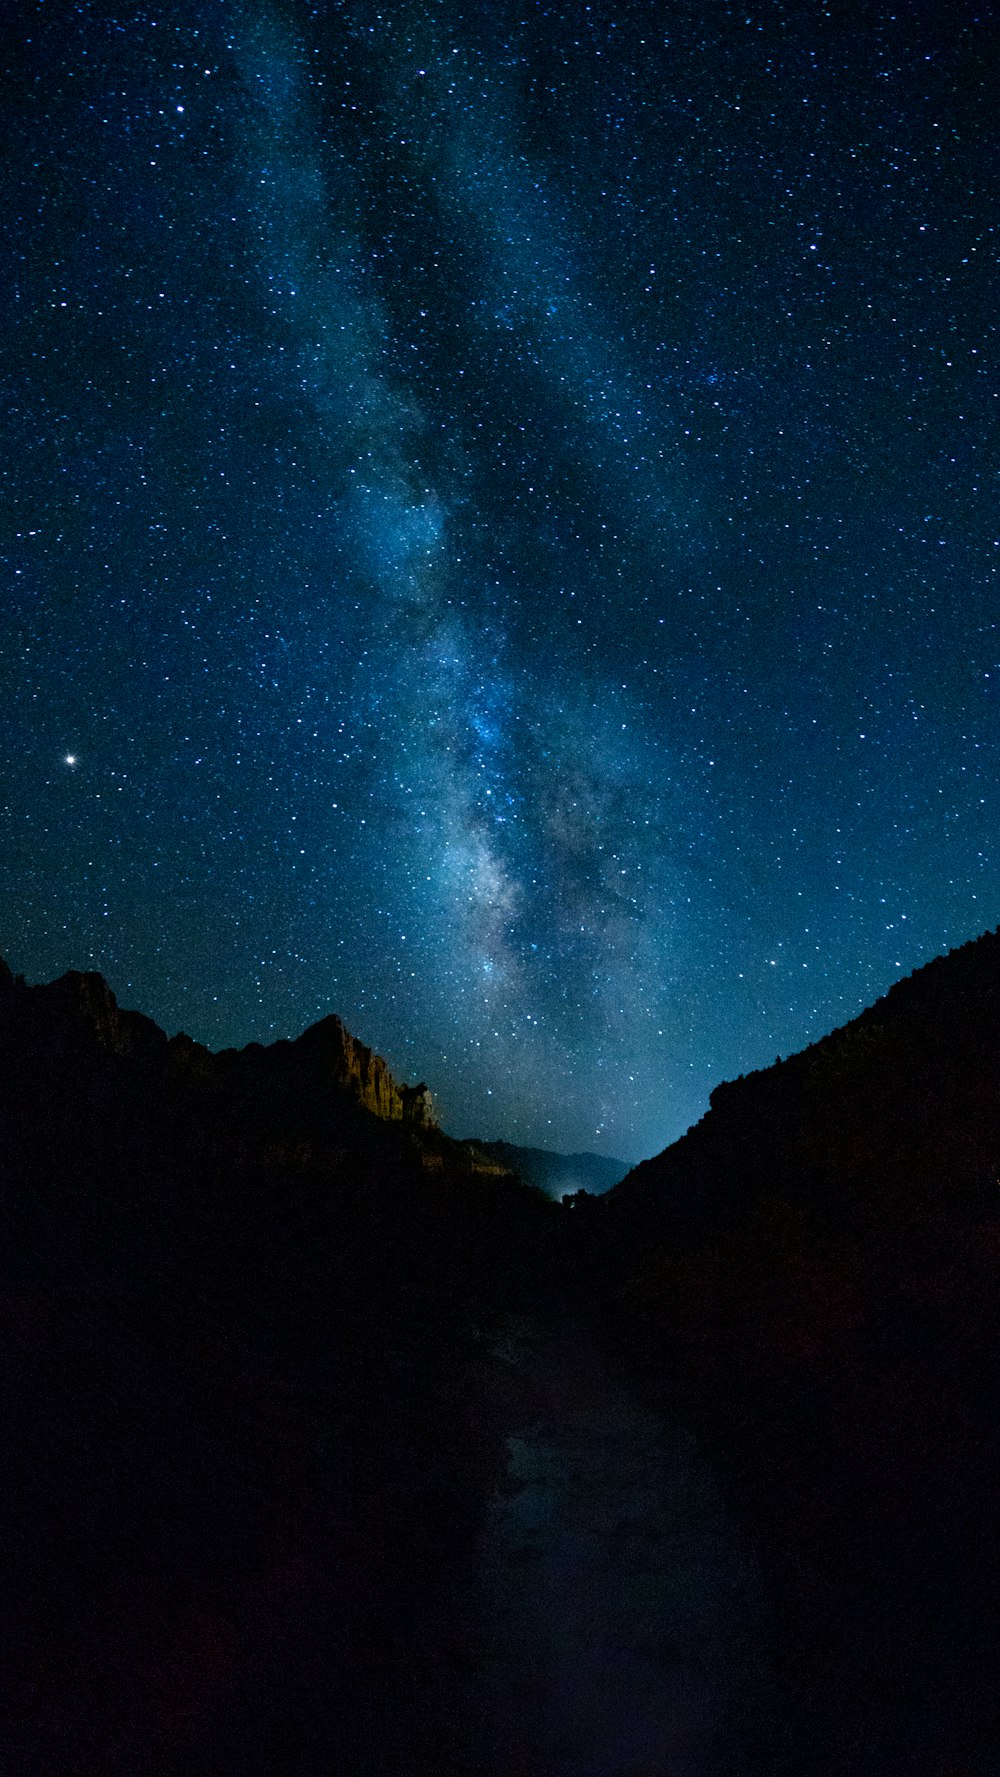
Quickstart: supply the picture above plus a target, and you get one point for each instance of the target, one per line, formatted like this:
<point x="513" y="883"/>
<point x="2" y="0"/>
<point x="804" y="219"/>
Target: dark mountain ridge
<point x="812" y="1275"/>
<point x="913" y="1073"/>
<point x="250" y="1413"/>
<point x="252" y="1308"/>
<point x="79" y="1012"/>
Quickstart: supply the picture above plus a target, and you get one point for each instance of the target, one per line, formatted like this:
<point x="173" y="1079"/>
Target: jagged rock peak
<point x="80" y="1009"/>
<point x="355" y="1067"/>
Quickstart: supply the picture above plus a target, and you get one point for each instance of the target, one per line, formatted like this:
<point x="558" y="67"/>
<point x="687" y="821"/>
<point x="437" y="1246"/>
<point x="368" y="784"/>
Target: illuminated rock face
<point x="330" y="1049"/>
<point x="80" y="1011"/>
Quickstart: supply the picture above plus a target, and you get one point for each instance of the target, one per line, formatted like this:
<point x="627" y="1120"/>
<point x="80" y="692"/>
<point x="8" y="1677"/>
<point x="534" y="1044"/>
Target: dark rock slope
<point x="813" y="1274"/>
<point x="250" y="1418"/>
<point x="894" y="1115"/>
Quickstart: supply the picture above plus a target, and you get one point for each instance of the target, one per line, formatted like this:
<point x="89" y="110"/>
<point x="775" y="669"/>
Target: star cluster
<point x="501" y="529"/>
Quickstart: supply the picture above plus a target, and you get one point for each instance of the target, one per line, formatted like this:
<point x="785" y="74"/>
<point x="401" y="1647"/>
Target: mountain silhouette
<point x="250" y="1414"/>
<point x="812" y="1275"/>
<point x="297" y="1391"/>
<point x="558" y="1175"/>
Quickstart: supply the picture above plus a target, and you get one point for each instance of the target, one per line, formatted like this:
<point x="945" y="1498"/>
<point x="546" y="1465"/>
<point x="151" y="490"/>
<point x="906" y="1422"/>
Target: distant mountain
<point x="558" y="1175"/>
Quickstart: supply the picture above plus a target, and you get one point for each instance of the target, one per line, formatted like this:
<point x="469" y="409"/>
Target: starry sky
<point x="500" y="528"/>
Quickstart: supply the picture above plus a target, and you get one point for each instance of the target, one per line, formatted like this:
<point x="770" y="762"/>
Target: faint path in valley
<point x="621" y="1614"/>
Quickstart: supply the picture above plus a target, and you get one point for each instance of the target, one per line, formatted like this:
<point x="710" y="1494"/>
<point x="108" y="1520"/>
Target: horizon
<point x="479" y="1134"/>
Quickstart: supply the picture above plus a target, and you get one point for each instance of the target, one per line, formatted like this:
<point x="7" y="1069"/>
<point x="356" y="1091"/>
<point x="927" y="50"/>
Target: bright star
<point x="70" y="758"/>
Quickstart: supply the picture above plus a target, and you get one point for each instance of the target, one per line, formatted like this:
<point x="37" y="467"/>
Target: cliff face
<point x="255" y="1411"/>
<point x="79" y="1013"/>
<point x="250" y="1424"/>
<point x="330" y="1050"/>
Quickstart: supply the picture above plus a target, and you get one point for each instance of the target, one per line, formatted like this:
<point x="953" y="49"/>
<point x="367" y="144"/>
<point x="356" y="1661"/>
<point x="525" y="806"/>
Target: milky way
<point x="500" y="530"/>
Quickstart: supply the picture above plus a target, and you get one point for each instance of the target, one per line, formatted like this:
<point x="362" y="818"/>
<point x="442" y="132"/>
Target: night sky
<point x="500" y="528"/>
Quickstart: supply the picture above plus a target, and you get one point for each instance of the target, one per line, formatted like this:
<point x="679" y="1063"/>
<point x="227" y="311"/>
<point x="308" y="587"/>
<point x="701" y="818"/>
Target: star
<point x="505" y="549"/>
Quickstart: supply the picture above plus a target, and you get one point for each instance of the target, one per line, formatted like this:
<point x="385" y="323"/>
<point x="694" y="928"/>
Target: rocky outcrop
<point x="255" y="1412"/>
<point x="330" y="1051"/>
<point x="79" y="1013"/>
<point x="896" y="1109"/>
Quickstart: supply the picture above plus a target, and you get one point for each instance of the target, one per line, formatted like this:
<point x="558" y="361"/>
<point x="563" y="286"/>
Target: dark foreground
<point x="330" y="1447"/>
